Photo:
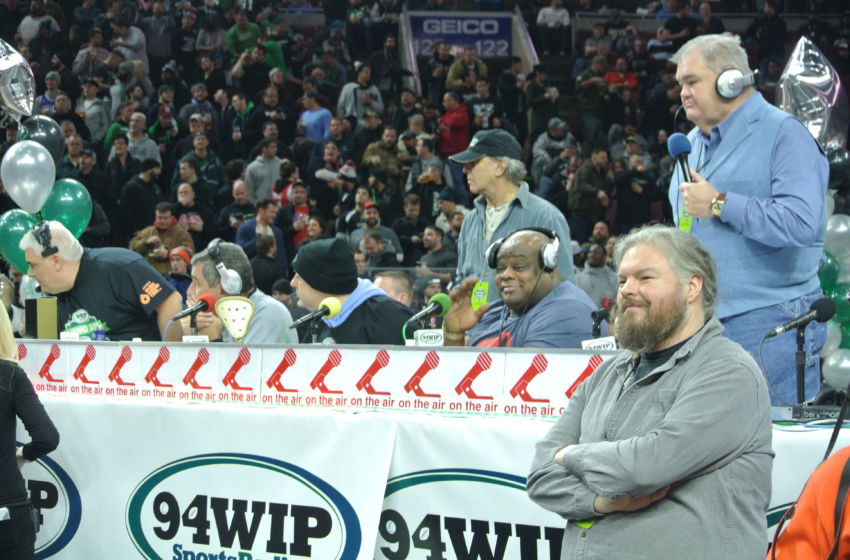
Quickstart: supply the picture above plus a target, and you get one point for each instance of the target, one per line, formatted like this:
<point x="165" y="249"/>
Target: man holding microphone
<point x="755" y="200"/>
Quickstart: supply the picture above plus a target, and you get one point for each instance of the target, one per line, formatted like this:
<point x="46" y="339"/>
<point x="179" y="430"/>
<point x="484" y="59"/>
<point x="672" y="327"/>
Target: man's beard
<point x="657" y="323"/>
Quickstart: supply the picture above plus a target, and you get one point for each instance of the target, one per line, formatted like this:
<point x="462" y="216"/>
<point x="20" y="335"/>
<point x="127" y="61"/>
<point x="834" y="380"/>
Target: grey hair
<point x="685" y="254"/>
<point x="69" y="248"/>
<point x="515" y="171"/>
<point x="232" y="257"/>
<point x="720" y="52"/>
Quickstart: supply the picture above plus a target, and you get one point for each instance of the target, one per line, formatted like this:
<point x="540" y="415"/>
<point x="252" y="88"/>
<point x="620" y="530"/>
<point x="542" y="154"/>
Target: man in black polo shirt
<point x="111" y="289"/>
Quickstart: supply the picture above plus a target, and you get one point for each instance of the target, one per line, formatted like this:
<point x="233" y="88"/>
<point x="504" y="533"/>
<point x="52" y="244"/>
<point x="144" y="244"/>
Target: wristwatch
<point x="717" y="204"/>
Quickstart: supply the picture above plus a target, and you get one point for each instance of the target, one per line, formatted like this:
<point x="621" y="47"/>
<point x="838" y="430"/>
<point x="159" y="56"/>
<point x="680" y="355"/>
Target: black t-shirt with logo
<point x="118" y="288"/>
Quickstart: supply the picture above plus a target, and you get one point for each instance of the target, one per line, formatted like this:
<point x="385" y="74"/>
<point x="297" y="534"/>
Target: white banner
<point x="139" y="480"/>
<point x="442" y="380"/>
<point x="152" y="477"/>
<point x="459" y="487"/>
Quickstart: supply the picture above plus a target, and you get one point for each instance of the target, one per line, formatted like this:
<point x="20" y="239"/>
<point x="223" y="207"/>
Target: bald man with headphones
<point x="755" y="200"/>
<point x="536" y="307"/>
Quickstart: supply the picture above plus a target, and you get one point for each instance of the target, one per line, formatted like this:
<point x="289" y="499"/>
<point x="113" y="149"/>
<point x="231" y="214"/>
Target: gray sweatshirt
<point x="260" y="176"/>
<point x="598" y="283"/>
<point x="700" y="422"/>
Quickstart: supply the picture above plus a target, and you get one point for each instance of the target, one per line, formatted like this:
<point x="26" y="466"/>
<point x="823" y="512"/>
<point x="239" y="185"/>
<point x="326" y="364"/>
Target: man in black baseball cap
<point x="493" y="143"/>
<point x="495" y="172"/>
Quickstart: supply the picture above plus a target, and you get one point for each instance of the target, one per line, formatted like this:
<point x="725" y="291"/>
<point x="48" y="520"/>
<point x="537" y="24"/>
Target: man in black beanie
<point x="326" y="268"/>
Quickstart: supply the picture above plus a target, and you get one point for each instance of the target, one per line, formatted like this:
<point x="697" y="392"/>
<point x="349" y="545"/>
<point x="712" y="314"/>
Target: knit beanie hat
<point x="183" y="252"/>
<point x="327" y="265"/>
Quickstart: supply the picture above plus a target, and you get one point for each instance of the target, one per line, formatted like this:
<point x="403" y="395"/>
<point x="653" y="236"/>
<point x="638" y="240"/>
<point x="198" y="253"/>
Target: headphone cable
<point x="524" y="308"/>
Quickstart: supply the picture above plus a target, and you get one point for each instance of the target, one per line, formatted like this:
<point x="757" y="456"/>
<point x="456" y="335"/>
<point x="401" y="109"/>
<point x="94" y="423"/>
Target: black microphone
<point x="680" y="147"/>
<point x="328" y="307"/>
<point x="205" y="302"/>
<point x="438" y="305"/>
<point x="821" y="311"/>
<point x="598" y="316"/>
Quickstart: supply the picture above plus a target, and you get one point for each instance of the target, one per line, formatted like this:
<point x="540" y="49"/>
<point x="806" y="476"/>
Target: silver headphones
<point x="730" y="83"/>
<point x="548" y="252"/>
<point x="230" y="280"/>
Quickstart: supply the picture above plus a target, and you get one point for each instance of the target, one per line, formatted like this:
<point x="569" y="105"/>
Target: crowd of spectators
<point x="270" y="138"/>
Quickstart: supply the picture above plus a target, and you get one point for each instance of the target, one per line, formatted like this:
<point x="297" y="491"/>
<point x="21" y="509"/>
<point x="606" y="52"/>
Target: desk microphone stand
<point x="314" y="330"/>
<point x="193" y="323"/>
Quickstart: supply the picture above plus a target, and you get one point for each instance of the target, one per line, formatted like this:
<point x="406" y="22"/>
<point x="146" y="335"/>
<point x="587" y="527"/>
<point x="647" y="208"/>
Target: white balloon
<point x="836" y="369"/>
<point x="28" y="173"/>
<point x="837" y="240"/>
<point x="833" y="339"/>
<point x="830" y="203"/>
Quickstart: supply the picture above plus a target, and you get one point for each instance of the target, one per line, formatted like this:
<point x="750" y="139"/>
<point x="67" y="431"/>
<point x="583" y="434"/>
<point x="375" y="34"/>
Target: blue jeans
<point x="544" y="186"/>
<point x="459" y="180"/>
<point x="580" y="228"/>
<point x="592" y="127"/>
<point x="778" y="353"/>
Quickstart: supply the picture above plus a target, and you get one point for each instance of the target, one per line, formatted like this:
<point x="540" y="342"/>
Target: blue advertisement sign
<point x="490" y="33"/>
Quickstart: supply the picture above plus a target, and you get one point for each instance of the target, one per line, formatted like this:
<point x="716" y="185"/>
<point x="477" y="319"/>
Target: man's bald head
<point x="520" y="277"/>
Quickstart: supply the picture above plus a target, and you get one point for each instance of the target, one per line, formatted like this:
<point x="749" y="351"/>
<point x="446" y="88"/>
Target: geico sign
<point x="461" y="26"/>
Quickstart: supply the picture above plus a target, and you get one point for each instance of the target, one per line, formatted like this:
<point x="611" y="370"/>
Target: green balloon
<point x="13" y="225"/>
<point x="840" y="294"/>
<point x="828" y="272"/>
<point x="70" y="204"/>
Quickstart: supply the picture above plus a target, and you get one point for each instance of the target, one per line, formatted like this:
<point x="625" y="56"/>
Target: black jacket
<point x="377" y="320"/>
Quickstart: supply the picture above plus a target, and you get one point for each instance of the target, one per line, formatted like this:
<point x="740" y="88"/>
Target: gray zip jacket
<point x="700" y="422"/>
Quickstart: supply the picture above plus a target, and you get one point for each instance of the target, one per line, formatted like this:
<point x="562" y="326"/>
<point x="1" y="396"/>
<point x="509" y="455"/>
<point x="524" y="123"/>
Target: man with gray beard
<point x="665" y="451"/>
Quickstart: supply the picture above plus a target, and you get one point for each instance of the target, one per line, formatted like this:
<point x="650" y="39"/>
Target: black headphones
<point x="41" y="231"/>
<point x="548" y="253"/>
<point x="231" y="282"/>
<point x="731" y="82"/>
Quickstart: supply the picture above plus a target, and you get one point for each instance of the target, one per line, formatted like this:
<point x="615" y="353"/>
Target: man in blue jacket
<point x="756" y="202"/>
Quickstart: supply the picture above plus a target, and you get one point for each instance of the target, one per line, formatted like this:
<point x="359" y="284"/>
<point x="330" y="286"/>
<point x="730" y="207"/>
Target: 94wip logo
<point x="55" y="496"/>
<point x="274" y="509"/>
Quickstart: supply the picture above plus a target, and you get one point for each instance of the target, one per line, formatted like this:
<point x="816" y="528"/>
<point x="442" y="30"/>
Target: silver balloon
<point x="810" y="90"/>
<point x="17" y="84"/>
<point x="836" y="369"/>
<point x="833" y="339"/>
<point x="837" y="241"/>
<point x="28" y="173"/>
<point x="830" y="203"/>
